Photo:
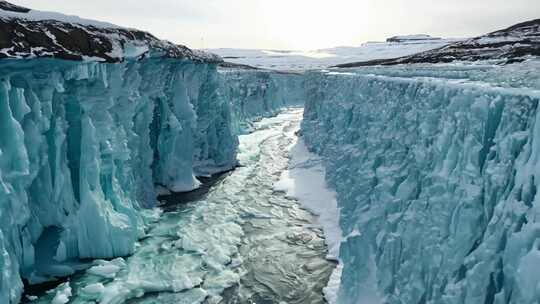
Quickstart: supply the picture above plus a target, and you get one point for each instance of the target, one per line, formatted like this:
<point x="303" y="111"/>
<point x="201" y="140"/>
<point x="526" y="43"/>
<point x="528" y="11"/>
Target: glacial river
<point x="241" y="242"/>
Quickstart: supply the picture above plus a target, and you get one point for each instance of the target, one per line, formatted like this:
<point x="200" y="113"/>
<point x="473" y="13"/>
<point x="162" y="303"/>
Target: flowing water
<point x="242" y="242"/>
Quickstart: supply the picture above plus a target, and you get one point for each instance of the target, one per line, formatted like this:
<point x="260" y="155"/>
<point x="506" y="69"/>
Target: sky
<point x="297" y="24"/>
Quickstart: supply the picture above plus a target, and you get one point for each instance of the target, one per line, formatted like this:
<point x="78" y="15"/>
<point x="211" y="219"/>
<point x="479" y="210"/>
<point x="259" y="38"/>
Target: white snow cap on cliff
<point x="11" y="11"/>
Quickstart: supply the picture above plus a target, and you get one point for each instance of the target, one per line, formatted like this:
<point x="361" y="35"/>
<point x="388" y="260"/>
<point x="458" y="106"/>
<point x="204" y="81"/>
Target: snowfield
<point x="324" y="58"/>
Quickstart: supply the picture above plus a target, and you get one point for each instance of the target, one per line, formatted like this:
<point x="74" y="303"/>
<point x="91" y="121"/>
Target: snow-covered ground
<point x="323" y="58"/>
<point x="9" y="11"/>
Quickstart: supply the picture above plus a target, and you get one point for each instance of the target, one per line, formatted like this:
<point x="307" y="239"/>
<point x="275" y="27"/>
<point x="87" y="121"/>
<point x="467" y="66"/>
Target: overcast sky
<point x="297" y="24"/>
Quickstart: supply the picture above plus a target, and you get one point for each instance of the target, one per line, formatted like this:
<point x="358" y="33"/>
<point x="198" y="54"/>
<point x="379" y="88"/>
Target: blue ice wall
<point x="258" y="93"/>
<point x="82" y="145"/>
<point x="436" y="171"/>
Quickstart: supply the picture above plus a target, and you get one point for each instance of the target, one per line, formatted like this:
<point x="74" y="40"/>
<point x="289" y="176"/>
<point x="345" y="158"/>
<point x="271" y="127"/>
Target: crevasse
<point x="82" y="145"/>
<point x="436" y="173"/>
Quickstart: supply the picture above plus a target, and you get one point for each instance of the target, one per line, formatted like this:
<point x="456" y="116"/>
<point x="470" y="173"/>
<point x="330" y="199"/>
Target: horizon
<point x="278" y="25"/>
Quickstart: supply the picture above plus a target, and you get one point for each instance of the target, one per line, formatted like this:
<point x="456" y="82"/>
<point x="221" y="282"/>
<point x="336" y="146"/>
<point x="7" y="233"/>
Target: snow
<point x="96" y="288"/>
<point x="76" y="176"/>
<point x="36" y="15"/>
<point x="324" y="58"/>
<point x="304" y="180"/>
<point x="63" y="294"/>
<point x="107" y="269"/>
<point x="331" y="291"/>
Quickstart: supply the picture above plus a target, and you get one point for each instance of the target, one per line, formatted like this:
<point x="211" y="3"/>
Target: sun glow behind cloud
<point x="297" y="24"/>
<point x="309" y="24"/>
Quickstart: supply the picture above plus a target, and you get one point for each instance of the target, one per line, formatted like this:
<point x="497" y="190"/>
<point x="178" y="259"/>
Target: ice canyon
<point x="403" y="180"/>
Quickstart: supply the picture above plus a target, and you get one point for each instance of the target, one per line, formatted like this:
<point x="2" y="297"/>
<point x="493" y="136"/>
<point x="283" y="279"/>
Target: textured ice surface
<point x="436" y="174"/>
<point x="258" y="93"/>
<point x="83" y="143"/>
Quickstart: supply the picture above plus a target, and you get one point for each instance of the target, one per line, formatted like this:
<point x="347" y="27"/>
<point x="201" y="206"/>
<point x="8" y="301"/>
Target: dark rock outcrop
<point x="6" y="6"/>
<point x="412" y="38"/>
<point x="25" y="33"/>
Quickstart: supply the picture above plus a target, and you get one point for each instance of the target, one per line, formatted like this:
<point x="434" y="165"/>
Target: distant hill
<point x="513" y="44"/>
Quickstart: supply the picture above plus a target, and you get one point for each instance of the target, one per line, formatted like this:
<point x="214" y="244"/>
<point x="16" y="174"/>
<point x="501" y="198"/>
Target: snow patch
<point x="63" y="294"/>
<point x="107" y="269"/>
<point x="36" y="15"/>
<point x="305" y="181"/>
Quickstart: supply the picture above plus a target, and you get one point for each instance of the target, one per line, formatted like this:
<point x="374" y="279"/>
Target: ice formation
<point x="240" y="243"/>
<point x="259" y="93"/>
<point x="83" y="143"/>
<point x="434" y="167"/>
<point x="436" y="173"/>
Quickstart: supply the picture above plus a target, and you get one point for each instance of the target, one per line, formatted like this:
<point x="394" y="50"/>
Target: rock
<point x="510" y="45"/>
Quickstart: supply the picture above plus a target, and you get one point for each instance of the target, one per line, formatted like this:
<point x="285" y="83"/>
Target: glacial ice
<point x="63" y="294"/>
<point x="436" y="174"/>
<point x="434" y="170"/>
<point x="241" y="242"/>
<point x="82" y="145"/>
<point x="259" y="93"/>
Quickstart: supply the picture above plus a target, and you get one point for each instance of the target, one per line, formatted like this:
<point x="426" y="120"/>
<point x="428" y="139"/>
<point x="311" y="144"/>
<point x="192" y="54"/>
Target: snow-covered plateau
<point x="285" y="60"/>
<point x="423" y="176"/>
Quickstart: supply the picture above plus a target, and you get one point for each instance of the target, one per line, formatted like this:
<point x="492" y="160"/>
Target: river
<point x="240" y="242"/>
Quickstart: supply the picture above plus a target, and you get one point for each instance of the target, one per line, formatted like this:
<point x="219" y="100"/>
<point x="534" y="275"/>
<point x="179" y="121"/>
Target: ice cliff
<point x="92" y="117"/>
<point x="436" y="170"/>
<point x="258" y="93"/>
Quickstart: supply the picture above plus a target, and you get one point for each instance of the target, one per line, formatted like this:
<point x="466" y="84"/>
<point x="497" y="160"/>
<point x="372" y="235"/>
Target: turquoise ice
<point x="83" y="144"/>
<point x="240" y="243"/>
<point x="436" y="173"/>
<point x="434" y="169"/>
